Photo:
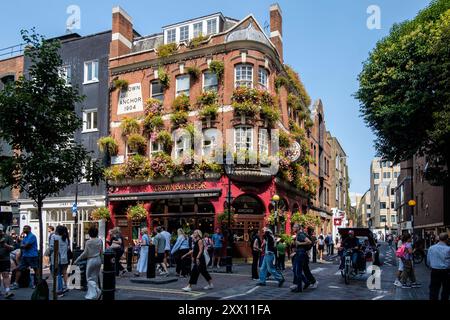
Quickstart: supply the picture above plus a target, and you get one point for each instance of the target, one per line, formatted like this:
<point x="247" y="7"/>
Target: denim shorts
<point x="28" y="262"/>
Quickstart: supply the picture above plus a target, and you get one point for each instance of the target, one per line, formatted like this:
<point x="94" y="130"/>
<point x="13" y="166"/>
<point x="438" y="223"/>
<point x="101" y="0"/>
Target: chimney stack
<point x="122" y="33"/>
<point x="276" y="28"/>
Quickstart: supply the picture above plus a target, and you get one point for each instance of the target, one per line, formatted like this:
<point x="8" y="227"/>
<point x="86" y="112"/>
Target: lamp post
<point x="275" y="200"/>
<point x="229" y="170"/>
<point x="412" y="204"/>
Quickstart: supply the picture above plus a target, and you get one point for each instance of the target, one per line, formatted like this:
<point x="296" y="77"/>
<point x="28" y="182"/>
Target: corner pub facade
<point x="251" y="59"/>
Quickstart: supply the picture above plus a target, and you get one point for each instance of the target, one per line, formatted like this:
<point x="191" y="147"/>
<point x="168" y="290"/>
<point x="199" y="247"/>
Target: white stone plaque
<point x="130" y="100"/>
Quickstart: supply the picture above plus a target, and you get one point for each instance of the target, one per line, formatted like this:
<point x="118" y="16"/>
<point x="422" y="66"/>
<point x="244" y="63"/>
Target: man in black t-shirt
<point x="302" y="244"/>
<point x="351" y="243"/>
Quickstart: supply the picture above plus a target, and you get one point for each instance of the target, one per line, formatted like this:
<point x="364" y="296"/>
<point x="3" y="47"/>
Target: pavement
<point x="239" y="285"/>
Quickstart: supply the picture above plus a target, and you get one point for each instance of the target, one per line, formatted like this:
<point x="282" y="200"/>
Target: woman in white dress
<point x="93" y="252"/>
<point x="143" y="255"/>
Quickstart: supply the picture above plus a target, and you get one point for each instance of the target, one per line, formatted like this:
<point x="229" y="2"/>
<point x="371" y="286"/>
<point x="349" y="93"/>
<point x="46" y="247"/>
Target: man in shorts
<point x="29" y="257"/>
<point x="160" y="250"/>
<point x="6" y="246"/>
<point x="167" y="236"/>
<point x="218" y="244"/>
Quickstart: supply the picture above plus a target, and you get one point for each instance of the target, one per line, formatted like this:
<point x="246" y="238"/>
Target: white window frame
<point x="186" y="92"/>
<point x="248" y="133"/>
<point x="241" y="81"/>
<point x="94" y="77"/>
<point x="213" y="20"/>
<point x="263" y="72"/>
<point x="169" y="34"/>
<point x="263" y="142"/>
<point x="151" y="91"/>
<point x="217" y="82"/>
<point x="86" y="113"/>
<point x="66" y="76"/>
<point x="127" y="153"/>
<point x="210" y="135"/>
<point x="188" y="33"/>
<point x="153" y="151"/>
<point x="194" y="34"/>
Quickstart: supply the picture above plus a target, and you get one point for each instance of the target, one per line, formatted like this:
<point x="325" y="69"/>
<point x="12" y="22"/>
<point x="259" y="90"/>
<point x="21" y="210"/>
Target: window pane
<point x="94" y="120"/>
<point x="244" y="76"/>
<point x="262" y="78"/>
<point x="157" y="91"/>
<point x="212" y="24"/>
<point x="171" y="35"/>
<point x="184" y="33"/>
<point x="89" y="71"/>
<point x="96" y="70"/>
<point x="198" y="29"/>
<point x="183" y="85"/>
<point x="210" y="81"/>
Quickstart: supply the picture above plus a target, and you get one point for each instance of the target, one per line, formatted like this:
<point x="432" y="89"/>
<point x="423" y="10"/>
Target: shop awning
<point x="211" y="193"/>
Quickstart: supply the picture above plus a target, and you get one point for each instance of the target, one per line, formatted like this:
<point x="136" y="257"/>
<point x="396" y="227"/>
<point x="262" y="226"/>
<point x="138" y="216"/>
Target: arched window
<point x="248" y="204"/>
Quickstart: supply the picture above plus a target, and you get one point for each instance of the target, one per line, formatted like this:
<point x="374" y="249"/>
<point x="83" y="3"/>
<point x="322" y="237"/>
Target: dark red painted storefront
<point x="199" y="203"/>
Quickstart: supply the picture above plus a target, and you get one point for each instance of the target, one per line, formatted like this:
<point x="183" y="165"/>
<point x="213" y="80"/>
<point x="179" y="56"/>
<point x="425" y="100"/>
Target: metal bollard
<point x="109" y="275"/>
<point x="314" y="254"/>
<point x="130" y="259"/>
<point x="151" y="262"/>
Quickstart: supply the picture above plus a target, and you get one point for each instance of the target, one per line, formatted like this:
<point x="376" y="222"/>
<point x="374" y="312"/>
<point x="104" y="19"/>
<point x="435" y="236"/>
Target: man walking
<point x="269" y="258"/>
<point x="218" y="244"/>
<point x="438" y="259"/>
<point x="6" y="246"/>
<point x="160" y="250"/>
<point x="306" y="270"/>
<point x="29" y="257"/>
<point x="167" y="236"/>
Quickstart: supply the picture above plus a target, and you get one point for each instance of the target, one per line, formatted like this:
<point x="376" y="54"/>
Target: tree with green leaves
<point x="38" y="121"/>
<point x="405" y="91"/>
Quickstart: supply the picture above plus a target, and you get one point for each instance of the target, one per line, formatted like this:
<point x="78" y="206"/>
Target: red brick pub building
<point x="179" y="68"/>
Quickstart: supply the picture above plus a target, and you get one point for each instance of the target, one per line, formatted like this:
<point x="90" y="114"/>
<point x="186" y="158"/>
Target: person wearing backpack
<point x="398" y="253"/>
<point x="408" y="268"/>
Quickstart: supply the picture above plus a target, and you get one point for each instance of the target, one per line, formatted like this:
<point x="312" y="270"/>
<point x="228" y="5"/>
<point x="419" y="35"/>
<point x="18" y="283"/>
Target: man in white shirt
<point x="438" y="259"/>
<point x="168" y="237"/>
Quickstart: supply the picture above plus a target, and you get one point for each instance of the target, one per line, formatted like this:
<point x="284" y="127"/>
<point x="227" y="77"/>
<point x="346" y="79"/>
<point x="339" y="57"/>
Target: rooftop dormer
<point x="193" y="28"/>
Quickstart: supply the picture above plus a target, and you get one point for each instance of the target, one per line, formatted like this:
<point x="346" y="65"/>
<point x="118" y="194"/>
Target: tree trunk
<point x="41" y="237"/>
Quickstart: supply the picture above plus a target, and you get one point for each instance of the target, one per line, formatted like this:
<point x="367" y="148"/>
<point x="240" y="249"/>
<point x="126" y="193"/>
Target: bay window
<point x="243" y="75"/>
<point x="243" y="138"/>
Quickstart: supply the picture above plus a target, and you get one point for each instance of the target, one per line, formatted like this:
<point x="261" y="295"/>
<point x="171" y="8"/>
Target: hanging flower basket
<point x="137" y="213"/>
<point x="101" y="214"/>
<point x="223" y="218"/>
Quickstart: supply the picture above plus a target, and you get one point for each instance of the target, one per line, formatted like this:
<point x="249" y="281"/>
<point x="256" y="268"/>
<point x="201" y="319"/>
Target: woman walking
<point x="93" y="251"/>
<point x="61" y="235"/>
<point x="199" y="266"/>
<point x="321" y="247"/>
<point x="256" y="252"/>
<point x="143" y="253"/>
<point x="180" y="249"/>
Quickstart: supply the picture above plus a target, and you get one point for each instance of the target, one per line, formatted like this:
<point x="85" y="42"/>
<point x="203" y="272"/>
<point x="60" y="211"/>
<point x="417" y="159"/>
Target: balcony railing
<point x="12" y="51"/>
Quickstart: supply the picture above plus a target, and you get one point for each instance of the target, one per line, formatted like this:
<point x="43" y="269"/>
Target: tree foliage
<point x="38" y="121"/>
<point x="405" y="90"/>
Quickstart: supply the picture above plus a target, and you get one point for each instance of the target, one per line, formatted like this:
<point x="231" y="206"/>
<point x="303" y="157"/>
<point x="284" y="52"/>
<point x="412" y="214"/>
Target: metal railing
<point x="12" y="51"/>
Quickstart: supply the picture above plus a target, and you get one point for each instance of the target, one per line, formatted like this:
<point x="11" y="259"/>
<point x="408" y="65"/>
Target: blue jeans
<point x="298" y="263"/>
<point x="59" y="277"/>
<point x="268" y="265"/>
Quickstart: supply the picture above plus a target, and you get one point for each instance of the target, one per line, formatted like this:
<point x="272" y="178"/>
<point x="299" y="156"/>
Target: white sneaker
<point x="294" y="286"/>
<point x="187" y="289"/>
<point x="314" y="286"/>
<point x="209" y="287"/>
<point x="397" y="283"/>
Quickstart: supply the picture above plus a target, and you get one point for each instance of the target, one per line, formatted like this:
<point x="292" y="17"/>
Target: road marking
<point x="162" y="290"/>
<point x="378" y="298"/>
<point x="316" y="270"/>
<point x="241" y="294"/>
<point x="334" y="287"/>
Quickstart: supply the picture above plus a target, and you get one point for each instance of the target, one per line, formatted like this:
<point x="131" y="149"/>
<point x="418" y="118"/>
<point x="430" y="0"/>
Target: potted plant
<point x="137" y="213"/>
<point x="163" y="78"/>
<point x="179" y="118"/>
<point x="101" y="213"/>
<point x="197" y="41"/>
<point x="153" y="123"/>
<point x="153" y="107"/>
<point x="114" y="173"/>
<point x="137" y="143"/>
<point x="194" y="72"/>
<point x="165" y="139"/>
<point x="130" y="126"/>
<point x="165" y="50"/>
<point x="121" y="84"/>
<point x="108" y="144"/>
<point x="181" y="103"/>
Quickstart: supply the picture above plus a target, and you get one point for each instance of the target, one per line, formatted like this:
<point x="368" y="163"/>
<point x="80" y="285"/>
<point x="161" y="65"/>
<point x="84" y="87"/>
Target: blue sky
<point x="326" y="41"/>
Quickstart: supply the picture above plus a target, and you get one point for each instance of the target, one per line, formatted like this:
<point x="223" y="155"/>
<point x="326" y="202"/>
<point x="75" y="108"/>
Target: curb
<point x="164" y="280"/>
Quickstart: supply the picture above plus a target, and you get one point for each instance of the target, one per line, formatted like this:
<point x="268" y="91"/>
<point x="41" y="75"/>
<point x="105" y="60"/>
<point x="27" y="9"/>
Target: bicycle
<point x="419" y="255"/>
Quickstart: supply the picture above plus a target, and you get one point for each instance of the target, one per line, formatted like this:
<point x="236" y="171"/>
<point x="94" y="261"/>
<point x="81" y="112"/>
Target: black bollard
<point x="130" y="259"/>
<point x="109" y="275"/>
<point x="151" y="262"/>
<point x="314" y="253"/>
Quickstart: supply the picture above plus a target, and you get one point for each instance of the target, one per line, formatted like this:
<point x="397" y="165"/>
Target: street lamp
<point x="412" y="204"/>
<point x="275" y="200"/>
<point x="229" y="171"/>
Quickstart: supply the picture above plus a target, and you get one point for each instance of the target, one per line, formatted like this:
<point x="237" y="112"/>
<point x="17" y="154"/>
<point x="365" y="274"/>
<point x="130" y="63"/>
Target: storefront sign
<point x="5" y="209"/>
<point x="180" y="187"/>
<point x="131" y="99"/>
<point x="337" y="221"/>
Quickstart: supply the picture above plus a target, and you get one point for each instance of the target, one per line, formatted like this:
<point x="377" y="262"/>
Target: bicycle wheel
<point x="347" y="274"/>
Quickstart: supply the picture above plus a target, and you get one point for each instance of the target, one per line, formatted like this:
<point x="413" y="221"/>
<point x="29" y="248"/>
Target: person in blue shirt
<point x="218" y="244"/>
<point x="179" y="249"/>
<point x="29" y="257"/>
<point x="438" y="259"/>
